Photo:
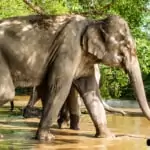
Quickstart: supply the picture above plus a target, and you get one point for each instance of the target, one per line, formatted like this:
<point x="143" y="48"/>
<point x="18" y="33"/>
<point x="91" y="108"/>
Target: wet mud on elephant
<point x="58" y="51"/>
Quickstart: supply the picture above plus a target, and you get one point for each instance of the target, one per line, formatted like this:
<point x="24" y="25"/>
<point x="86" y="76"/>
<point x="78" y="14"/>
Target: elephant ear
<point x="93" y="42"/>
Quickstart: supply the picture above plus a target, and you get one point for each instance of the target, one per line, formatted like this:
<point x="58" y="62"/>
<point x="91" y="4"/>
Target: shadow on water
<point x="19" y="133"/>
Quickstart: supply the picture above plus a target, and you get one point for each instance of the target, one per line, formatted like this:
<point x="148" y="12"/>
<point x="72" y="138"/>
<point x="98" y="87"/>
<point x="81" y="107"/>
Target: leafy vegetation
<point x="115" y="83"/>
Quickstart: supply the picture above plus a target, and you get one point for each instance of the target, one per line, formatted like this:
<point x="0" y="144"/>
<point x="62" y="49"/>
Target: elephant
<point x="70" y="105"/>
<point x="58" y="51"/>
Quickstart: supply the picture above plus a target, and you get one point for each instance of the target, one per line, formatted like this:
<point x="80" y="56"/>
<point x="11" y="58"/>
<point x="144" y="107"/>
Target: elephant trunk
<point x="137" y="83"/>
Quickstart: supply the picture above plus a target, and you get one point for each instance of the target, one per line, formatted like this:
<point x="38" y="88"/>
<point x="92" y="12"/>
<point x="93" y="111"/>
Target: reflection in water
<point x="19" y="133"/>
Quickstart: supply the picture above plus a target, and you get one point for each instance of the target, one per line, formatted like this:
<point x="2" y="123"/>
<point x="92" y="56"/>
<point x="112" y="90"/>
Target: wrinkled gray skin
<point x="59" y="50"/>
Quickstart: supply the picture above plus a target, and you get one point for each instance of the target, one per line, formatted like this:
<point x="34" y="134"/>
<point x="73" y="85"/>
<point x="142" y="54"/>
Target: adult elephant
<point x="58" y="51"/>
<point x="71" y="107"/>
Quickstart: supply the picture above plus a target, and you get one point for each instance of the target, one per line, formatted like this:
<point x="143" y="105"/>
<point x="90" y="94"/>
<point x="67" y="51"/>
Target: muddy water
<point x="18" y="132"/>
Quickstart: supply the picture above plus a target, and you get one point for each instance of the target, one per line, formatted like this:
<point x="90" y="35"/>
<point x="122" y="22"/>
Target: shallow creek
<point x="19" y="132"/>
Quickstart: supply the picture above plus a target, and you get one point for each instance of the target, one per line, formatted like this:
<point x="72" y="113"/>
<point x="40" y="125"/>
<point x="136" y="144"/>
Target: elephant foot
<point x="31" y="112"/>
<point x="104" y="132"/>
<point x="44" y="135"/>
<point x="61" y="120"/>
<point x="74" y="122"/>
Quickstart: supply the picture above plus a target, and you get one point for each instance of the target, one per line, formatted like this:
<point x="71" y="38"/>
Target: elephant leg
<point x="71" y="107"/>
<point x="89" y="91"/>
<point x="63" y="115"/>
<point x="74" y="109"/>
<point x="33" y="98"/>
<point x="60" y="78"/>
<point x="7" y="89"/>
<point x="29" y="111"/>
<point x="11" y="105"/>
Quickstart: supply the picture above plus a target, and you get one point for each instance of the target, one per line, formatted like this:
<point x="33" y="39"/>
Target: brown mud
<point x="19" y="132"/>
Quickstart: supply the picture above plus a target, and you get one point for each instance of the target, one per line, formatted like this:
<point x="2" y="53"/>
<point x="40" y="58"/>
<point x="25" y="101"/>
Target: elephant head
<point x="111" y="43"/>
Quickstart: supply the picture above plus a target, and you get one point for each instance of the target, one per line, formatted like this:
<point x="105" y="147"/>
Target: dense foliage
<point x="115" y="83"/>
